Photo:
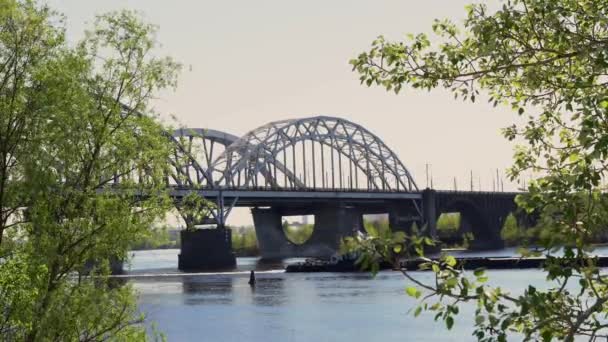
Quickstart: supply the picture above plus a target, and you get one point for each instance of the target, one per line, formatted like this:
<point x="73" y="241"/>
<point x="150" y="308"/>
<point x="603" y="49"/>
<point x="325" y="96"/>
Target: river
<point x="286" y="307"/>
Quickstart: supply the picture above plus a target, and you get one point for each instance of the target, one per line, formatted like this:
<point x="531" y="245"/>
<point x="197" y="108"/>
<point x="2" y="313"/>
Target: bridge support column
<point x="429" y="212"/>
<point x="272" y="242"/>
<point x="429" y="218"/>
<point x="491" y="240"/>
<point x="331" y="225"/>
<point x="403" y="216"/>
<point x="206" y="249"/>
<point x="399" y="222"/>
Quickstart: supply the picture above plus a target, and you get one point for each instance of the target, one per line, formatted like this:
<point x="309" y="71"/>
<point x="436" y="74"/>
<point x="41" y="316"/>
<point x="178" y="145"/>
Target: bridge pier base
<point x="429" y="218"/>
<point x="269" y="232"/>
<point x="206" y="249"/>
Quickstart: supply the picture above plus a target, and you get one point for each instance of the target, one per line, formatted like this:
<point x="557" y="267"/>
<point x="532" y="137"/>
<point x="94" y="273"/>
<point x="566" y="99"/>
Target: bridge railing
<point x="279" y="189"/>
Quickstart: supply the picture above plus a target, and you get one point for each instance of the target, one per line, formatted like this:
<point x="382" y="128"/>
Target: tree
<point x="80" y="129"/>
<point x="548" y="61"/>
<point x="26" y="42"/>
<point x="194" y="209"/>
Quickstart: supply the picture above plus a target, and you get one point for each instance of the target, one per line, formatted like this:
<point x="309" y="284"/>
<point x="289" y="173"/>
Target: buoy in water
<point x="252" y="278"/>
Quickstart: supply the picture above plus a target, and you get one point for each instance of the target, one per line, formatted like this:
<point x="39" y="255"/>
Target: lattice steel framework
<point x="312" y="153"/>
<point x="195" y="150"/>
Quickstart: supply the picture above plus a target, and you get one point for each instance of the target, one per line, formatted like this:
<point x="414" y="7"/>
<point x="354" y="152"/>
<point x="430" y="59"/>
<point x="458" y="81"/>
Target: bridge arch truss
<point x="312" y="153"/>
<point x="194" y="150"/>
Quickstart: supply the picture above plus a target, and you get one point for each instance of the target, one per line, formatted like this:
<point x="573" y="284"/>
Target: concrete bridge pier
<point x="332" y="223"/>
<point x="489" y="238"/>
<point x="206" y="249"/>
<point x="429" y="212"/>
<point x="272" y="242"/>
<point x="402" y="219"/>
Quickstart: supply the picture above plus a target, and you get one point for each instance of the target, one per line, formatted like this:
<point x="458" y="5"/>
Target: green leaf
<point x="397" y="248"/>
<point x="449" y="322"/>
<point x="411" y="291"/>
<point x="451" y="282"/>
<point x="450" y="261"/>
<point x="479" y="271"/>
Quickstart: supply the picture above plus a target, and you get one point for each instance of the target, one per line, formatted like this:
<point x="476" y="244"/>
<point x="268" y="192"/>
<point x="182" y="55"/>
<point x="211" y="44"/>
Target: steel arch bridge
<point x="324" y="166"/>
<point x="316" y="153"/>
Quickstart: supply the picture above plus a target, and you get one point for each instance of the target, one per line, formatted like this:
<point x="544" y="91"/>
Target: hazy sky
<point x="247" y="63"/>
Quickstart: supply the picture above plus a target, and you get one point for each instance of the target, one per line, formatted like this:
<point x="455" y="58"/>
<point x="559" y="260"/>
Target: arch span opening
<point x="449" y="229"/>
<point x="299" y="228"/>
<point x="376" y="224"/>
<point x="472" y="230"/>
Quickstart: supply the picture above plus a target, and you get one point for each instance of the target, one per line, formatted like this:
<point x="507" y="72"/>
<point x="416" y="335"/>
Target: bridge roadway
<point x="260" y="197"/>
<point x="266" y="196"/>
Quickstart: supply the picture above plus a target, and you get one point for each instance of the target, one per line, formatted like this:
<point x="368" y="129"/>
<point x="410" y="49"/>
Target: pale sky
<point x="247" y="63"/>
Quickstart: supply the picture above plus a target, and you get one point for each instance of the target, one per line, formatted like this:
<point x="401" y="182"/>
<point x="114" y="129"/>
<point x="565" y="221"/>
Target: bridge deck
<point x="250" y="197"/>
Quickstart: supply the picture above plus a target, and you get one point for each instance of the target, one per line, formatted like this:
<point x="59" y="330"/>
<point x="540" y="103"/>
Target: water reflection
<point x="357" y="287"/>
<point x="259" y="264"/>
<point x="207" y="290"/>
<point x="269" y="291"/>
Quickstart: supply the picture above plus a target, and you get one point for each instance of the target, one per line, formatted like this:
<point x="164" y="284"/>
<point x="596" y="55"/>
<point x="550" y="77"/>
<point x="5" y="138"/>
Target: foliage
<point x="297" y="234"/>
<point x="155" y="238"/>
<point x="377" y="228"/>
<point x="448" y="222"/>
<point x="547" y="60"/>
<point x="27" y="42"/>
<point x="73" y="127"/>
<point x="449" y="231"/>
<point x="511" y="233"/>
<point x="193" y="209"/>
<point x="244" y="241"/>
<point x="379" y="246"/>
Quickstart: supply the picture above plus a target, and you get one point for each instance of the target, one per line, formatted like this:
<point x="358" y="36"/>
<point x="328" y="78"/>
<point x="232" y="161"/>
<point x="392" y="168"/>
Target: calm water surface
<point x="296" y="306"/>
